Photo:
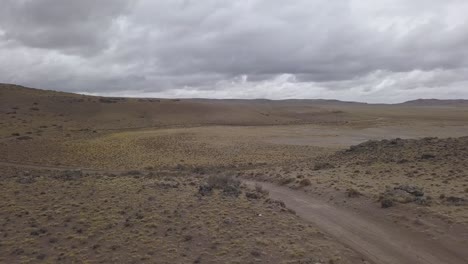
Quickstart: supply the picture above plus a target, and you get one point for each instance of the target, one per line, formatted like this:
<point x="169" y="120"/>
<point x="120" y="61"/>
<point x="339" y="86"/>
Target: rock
<point x="228" y="221"/>
<point x="398" y="196"/>
<point x="411" y="189"/>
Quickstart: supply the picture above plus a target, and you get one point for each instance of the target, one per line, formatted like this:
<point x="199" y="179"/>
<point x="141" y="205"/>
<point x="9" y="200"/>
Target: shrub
<point x="108" y="100"/>
<point x="453" y="200"/>
<point x="259" y="189"/>
<point x="427" y="156"/>
<point x="277" y="203"/>
<point x="323" y="166"/>
<point x="353" y="193"/>
<point x="426" y="200"/>
<point x="221" y="181"/>
<point x="205" y="190"/>
<point x="198" y="170"/>
<point x="287" y="181"/>
<point x="227" y="184"/>
<point x="305" y="182"/>
<point x="24" y="138"/>
<point x="386" y="202"/>
<point x="252" y="195"/>
<point x="70" y="175"/>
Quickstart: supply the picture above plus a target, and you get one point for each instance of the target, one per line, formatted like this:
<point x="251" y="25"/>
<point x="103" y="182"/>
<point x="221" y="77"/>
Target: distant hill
<point x="22" y="104"/>
<point x="436" y="102"/>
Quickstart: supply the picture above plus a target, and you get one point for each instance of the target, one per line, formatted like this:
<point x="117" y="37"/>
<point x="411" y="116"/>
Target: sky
<point x="384" y="51"/>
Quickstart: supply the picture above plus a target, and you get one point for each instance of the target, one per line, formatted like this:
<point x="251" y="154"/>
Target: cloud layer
<point x="374" y="51"/>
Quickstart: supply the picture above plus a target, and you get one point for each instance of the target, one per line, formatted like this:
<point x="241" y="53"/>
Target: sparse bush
<point x="26" y="180"/>
<point x="353" y="193"/>
<point x="252" y="195"/>
<point x="70" y="175"/>
<point x="221" y="181"/>
<point x="423" y="200"/>
<point x="227" y="184"/>
<point x="205" y="190"/>
<point x="453" y="200"/>
<point x="232" y="190"/>
<point x="110" y="100"/>
<point x="259" y="189"/>
<point x="41" y="256"/>
<point x="427" y="156"/>
<point x="305" y="182"/>
<point x="386" y="202"/>
<point x="287" y="181"/>
<point x="276" y="202"/>
<point x="256" y="253"/>
<point x="323" y="166"/>
<point x="198" y="170"/>
<point x="134" y="172"/>
<point x="168" y="184"/>
<point x="24" y="138"/>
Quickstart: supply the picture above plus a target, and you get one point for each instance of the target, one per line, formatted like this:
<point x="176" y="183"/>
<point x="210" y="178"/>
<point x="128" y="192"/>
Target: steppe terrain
<point x="144" y="180"/>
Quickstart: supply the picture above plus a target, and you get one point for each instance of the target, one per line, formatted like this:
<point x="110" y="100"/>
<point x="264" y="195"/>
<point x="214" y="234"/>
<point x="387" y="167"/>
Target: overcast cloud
<point x="361" y="50"/>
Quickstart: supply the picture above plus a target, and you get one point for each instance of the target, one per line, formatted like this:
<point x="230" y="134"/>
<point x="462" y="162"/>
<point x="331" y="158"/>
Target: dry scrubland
<point x="430" y="174"/>
<point x="135" y="217"/>
<point x="140" y="188"/>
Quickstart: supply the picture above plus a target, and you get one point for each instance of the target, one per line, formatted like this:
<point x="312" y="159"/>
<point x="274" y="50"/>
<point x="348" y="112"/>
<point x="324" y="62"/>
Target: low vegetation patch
<point x="305" y="182"/>
<point x="404" y="194"/>
<point x="353" y="193"/>
<point x="323" y="166"/>
<point x="227" y="184"/>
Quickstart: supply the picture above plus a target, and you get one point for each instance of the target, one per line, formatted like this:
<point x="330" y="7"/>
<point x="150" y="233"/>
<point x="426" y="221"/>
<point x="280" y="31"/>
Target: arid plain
<point x="126" y="180"/>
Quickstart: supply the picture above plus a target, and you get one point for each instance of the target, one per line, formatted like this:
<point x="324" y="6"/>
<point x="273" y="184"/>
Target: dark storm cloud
<point x="81" y="27"/>
<point x="385" y="50"/>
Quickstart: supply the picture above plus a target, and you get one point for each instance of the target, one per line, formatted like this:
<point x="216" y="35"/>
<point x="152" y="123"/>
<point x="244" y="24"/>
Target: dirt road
<point x="378" y="242"/>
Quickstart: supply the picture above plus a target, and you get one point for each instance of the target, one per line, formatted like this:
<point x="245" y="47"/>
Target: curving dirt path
<point x="378" y="242"/>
